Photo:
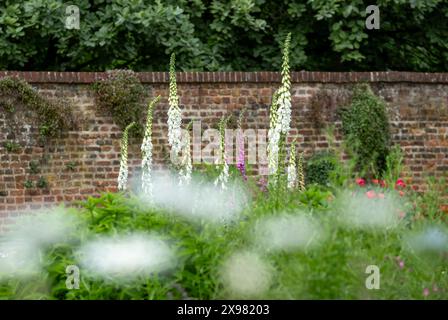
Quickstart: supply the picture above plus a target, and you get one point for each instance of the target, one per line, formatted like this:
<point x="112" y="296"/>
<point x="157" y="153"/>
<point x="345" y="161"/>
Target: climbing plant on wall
<point x="121" y="96"/>
<point x="50" y="116"/>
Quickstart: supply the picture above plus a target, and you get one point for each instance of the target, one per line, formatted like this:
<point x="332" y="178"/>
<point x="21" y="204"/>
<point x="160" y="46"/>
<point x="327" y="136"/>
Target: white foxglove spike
<point x="146" y="150"/>
<point x="186" y="166"/>
<point x="123" y="174"/>
<point x="292" y="172"/>
<point x="174" y="114"/>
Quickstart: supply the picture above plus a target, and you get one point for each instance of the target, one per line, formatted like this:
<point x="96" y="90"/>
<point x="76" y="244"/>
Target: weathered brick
<point x="418" y="105"/>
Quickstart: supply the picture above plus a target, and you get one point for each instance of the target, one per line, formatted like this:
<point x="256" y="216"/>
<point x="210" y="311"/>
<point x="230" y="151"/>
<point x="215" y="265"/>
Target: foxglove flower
<point x="280" y="112"/>
<point x="223" y="177"/>
<point x="292" y="172"/>
<point x="146" y="149"/>
<point x="174" y="114"/>
<point x="273" y="137"/>
<point x="186" y="167"/>
<point x="284" y="92"/>
<point x="123" y="174"/>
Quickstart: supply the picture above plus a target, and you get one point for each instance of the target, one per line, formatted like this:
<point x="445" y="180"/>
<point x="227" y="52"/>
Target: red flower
<point x="382" y="183"/>
<point x="401" y="193"/>
<point x="361" y="182"/>
<point x="375" y="181"/>
<point x="400" y="183"/>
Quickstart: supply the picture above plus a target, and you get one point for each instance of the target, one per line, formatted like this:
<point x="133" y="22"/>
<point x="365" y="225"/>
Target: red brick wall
<point x="418" y="109"/>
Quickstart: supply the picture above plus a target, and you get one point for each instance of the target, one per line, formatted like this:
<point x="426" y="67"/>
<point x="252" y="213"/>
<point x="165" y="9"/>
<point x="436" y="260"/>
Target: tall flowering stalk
<point x="280" y="112"/>
<point x="284" y="92"/>
<point x="186" y="167"/>
<point x="146" y="149"/>
<point x="273" y="137"/>
<point x="292" y="171"/>
<point x="174" y="114"/>
<point x="301" y="175"/>
<point x="123" y="174"/>
<point x="223" y="177"/>
<point x="241" y="164"/>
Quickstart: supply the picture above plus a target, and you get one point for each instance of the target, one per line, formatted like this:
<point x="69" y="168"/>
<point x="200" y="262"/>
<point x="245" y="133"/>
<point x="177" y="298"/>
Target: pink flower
<point x="435" y="288"/>
<point x="400" y="183"/>
<point x="361" y="182"/>
<point x="375" y="181"/>
<point x="425" y="292"/>
<point x="381" y="195"/>
<point x="401" y="264"/>
<point x="402" y="214"/>
<point x="401" y="193"/>
<point x="382" y="183"/>
<point x="371" y="194"/>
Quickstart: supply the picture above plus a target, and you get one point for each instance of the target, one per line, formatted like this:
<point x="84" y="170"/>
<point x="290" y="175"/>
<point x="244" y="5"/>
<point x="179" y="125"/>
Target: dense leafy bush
<point x="319" y="168"/>
<point x="366" y="129"/>
<point x="223" y="35"/>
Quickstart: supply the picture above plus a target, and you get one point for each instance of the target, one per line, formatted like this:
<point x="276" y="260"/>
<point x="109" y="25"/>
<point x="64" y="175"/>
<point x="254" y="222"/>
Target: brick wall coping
<point x="232" y="77"/>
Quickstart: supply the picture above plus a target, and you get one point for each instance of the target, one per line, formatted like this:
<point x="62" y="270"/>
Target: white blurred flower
<point x="364" y="211"/>
<point x="288" y="233"/>
<point x="429" y="239"/>
<point x="126" y="257"/>
<point x="246" y="274"/>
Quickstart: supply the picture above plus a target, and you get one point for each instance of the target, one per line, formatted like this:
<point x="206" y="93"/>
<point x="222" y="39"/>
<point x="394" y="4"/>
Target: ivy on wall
<point x="51" y="117"/>
<point x="19" y="101"/>
<point x="121" y="96"/>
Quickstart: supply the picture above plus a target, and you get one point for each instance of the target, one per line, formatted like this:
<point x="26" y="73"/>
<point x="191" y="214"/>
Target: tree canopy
<point x="213" y="35"/>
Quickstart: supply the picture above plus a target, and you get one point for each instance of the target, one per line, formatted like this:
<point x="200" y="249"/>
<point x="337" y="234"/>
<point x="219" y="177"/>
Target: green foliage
<point x="71" y="165"/>
<point x="319" y="168"/>
<point x="121" y="95"/>
<point x="34" y="167"/>
<point x="52" y="117"/>
<point x="11" y="146"/>
<point x="429" y="204"/>
<point x="223" y="35"/>
<point x="333" y="270"/>
<point x="394" y="165"/>
<point x="42" y="183"/>
<point x="28" y="184"/>
<point x="366" y="129"/>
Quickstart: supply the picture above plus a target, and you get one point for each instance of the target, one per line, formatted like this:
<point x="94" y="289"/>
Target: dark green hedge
<point x="223" y="35"/>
